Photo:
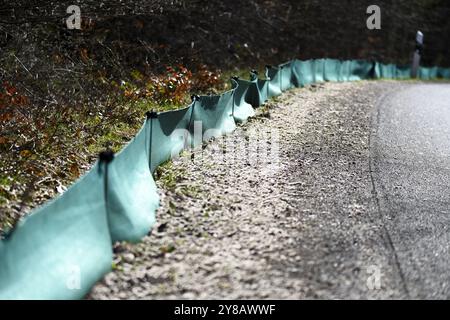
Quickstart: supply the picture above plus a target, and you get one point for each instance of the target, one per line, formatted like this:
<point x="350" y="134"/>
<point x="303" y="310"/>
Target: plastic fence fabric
<point x="132" y="197"/>
<point x="428" y="73"/>
<point x="385" y="71"/>
<point x="443" y="73"/>
<point x="360" y="69"/>
<point x="434" y="72"/>
<point x="304" y="71"/>
<point x="344" y="70"/>
<point x="403" y="72"/>
<point x="254" y="95"/>
<point x="295" y="75"/>
<point x="169" y="135"/>
<point x="274" y="83"/>
<point x="392" y="71"/>
<point x="287" y="76"/>
<point x="424" y="73"/>
<point x="319" y="70"/>
<point x="242" y="110"/>
<point x="62" y="249"/>
<point x="261" y="89"/>
<point x="377" y="71"/>
<point x="212" y="116"/>
<point x="331" y="70"/>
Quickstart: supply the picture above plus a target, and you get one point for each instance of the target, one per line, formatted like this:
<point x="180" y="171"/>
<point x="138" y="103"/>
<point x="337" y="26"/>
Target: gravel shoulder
<point x="284" y="208"/>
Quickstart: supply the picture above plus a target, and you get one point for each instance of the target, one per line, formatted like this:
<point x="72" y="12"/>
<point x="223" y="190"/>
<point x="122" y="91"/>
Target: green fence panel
<point x="132" y="196"/>
<point x="63" y="248"/>
<point x="424" y="73"/>
<point x="361" y="70"/>
<point x="444" y="73"/>
<point x="304" y="71"/>
<point x="212" y="117"/>
<point x="242" y="110"/>
<point x="169" y="135"/>
<point x="393" y="68"/>
<point x="296" y="75"/>
<point x="389" y="71"/>
<point x="319" y="70"/>
<point x="253" y="95"/>
<point x="273" y="74"/>
<point x="331" y="70"/>
<point x="382" y="71"/>
<point x="403" y="72"/>
<point x="261" y="88"/>
<point x="434" y="72"/>
<point x="287" y="76"/>
<point x="377" y="71"/>
<point x="344" y="71"/>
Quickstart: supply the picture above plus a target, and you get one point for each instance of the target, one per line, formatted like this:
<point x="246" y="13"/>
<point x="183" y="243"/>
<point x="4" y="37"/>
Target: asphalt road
<point x="410" y="169"/>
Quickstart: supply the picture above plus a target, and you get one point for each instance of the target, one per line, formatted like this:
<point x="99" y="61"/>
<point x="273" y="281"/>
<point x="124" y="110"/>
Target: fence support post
<point x="417" y="55"/>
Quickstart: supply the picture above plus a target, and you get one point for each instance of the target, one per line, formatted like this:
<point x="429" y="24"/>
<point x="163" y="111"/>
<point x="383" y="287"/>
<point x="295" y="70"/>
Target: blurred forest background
<point x="66" y="94"/>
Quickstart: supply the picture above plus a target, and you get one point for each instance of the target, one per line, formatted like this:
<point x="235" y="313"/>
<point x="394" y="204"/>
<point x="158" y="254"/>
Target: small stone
<point x="128" y="257"/>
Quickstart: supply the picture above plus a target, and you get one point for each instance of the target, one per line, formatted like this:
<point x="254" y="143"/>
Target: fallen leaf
<point x="74" y="171"/>
<point x="25" y="153"/>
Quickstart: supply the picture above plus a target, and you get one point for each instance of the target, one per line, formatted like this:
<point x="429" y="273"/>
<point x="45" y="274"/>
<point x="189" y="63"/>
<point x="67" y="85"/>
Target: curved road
<point x="410" y="168"/>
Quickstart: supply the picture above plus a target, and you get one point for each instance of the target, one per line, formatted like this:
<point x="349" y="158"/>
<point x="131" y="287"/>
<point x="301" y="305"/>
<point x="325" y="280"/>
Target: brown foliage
<point x="171" y="87"/>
